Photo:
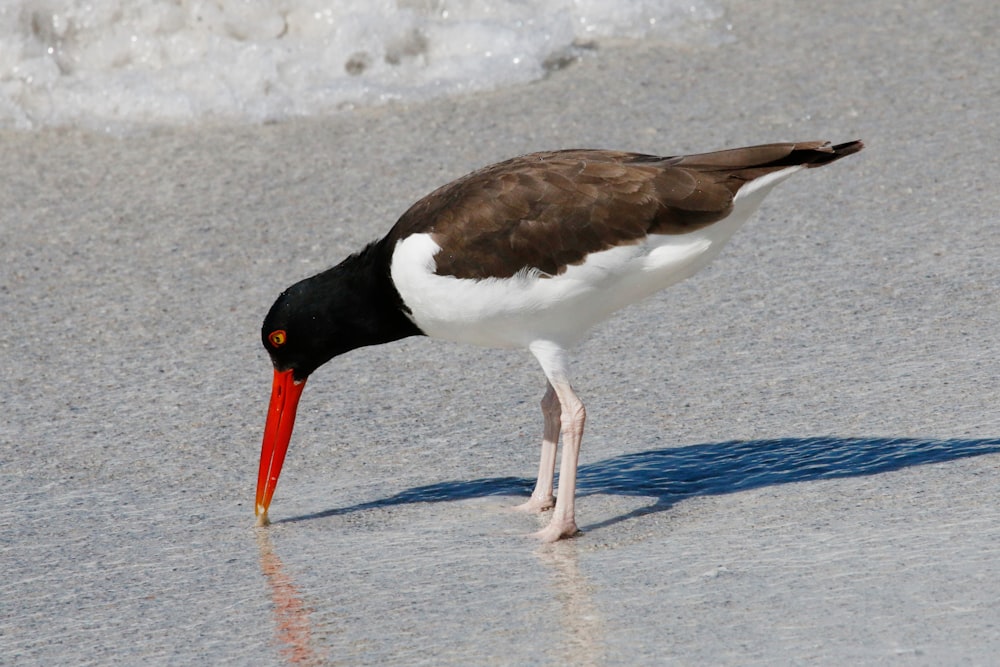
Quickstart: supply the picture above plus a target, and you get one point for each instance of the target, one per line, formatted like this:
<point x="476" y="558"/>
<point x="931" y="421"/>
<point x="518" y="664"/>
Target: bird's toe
<point x="534" y="505"/>
<point x="558" y="530"/>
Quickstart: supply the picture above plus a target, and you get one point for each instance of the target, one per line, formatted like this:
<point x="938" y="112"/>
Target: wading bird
<point x="530" y="253"/>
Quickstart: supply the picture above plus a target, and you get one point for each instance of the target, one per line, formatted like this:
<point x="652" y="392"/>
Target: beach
<point x="791" y="458"/>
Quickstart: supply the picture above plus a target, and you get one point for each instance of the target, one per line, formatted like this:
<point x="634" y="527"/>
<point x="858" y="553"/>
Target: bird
<point x="527" y="253"/>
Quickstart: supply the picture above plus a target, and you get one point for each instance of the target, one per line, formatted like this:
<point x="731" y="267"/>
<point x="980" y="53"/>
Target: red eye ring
<point x="277" y="338"/>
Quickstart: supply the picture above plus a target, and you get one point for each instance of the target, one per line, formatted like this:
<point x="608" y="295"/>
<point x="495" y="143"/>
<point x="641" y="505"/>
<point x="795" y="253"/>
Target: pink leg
<point x="542" y="497"/>
<point x="571" y="417"/>
<point x="563" y="523"/>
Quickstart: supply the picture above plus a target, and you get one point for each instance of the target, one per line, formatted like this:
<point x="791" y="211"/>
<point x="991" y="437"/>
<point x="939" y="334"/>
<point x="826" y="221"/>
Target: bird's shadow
<point x="672" y="474"/>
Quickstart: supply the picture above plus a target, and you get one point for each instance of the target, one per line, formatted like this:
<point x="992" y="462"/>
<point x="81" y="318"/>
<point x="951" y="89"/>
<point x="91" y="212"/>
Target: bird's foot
<point x="558" y="530"/>
<point x="536" y="504"/>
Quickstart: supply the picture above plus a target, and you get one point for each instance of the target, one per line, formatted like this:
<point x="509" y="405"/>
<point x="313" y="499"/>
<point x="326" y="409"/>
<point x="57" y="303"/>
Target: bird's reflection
<point x="292" y="626"/>
<point x="581" y="623"/>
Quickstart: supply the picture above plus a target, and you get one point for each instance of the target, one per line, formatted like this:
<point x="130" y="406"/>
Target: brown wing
<point x="545" y="211"/>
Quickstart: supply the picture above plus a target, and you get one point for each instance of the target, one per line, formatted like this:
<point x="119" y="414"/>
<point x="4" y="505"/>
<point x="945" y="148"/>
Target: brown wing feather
<point x="546" y="211"/>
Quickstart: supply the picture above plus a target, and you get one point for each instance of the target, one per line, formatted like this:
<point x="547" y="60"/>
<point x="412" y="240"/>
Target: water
<point x="111" y="64"/>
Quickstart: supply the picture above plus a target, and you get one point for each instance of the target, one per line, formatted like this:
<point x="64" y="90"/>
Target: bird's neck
<point x="372" y="301"/>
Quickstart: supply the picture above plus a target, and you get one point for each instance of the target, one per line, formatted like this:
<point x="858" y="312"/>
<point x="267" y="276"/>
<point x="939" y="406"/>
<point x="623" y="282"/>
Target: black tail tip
<point x="822" y="153"/>
<point x="848" y="148"/>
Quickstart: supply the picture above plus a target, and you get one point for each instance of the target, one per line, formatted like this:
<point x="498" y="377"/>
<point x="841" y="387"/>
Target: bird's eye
<point x="277" y="338"/>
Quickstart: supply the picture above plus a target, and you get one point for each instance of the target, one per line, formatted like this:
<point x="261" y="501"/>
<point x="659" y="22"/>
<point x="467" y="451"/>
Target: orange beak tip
<point x="262" y="519"/>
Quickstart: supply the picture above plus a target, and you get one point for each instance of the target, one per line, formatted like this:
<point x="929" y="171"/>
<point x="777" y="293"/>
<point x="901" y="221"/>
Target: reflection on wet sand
<point x="292" y="627"/>
<point x="582" y="641"/>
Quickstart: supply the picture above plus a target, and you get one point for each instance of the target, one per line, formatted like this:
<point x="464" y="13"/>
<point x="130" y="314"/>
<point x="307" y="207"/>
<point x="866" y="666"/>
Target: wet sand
<point x="791" y="458"/>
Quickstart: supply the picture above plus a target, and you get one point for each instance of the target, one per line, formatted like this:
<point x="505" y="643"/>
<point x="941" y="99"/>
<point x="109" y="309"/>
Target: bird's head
<point x="343" y="308"/>
<point x="306" y="327"/>
<point x="351" y="305"/>
<point x="300" y="332"/>
<point x="324" y="316"/>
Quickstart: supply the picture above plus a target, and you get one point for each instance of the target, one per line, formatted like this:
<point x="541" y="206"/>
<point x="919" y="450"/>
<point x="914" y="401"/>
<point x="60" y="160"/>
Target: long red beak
<point x="285" y="393"/>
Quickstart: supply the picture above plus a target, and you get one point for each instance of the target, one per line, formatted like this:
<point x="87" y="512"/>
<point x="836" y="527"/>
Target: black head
<point x="299" y="329"/>
<point x="349" y="306"/>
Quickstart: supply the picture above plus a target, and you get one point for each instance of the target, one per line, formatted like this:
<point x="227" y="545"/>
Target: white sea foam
<point x="109" y="64"/>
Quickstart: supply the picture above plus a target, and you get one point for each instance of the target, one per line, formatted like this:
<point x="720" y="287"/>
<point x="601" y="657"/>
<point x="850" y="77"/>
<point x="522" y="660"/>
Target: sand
<point x="791" y="458"/>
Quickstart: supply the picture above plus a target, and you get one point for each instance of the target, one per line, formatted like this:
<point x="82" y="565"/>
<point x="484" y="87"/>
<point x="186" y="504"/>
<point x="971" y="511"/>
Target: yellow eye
<point x="277" y="338"/>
